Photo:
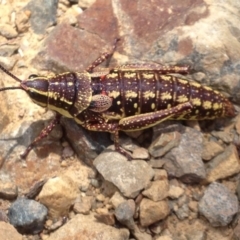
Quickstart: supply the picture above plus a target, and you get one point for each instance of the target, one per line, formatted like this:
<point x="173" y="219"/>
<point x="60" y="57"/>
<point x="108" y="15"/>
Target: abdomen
<point x="148" y="91"/>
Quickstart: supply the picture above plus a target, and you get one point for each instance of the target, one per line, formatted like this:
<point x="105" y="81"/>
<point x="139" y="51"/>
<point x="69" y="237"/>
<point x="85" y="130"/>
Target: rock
<point x="7" y="50"/>
<point x="160" y="174"/>
<point x="88" y="228"/>
<point x="8" y="232"/>
<point x="8" y="190"/>
<point x="175" y="192"/>
<point x="140" y="153"/>
<point x="53" y="195"/>
<point x="164" y="238"/>
<point x="164" y="143"/>
<point x="117" y="199"/>
<point x="106" y="218"/>
<point x="182" y="212"/>
<point x="86" y="144"/>
<point x="43" y="14"/>
<point x="3" y="216"/>
<point x="193" y="206"/>
<point x="130" y="177"/>
<point x="157" y="163"/>
<point x="8" y="31"/>
<point x="83" y="205"/>
<point x="28" y="216"/>
<point x="8" y="62"/>
<point x="124" y="213"/>
<point x="151" y="212"/>
<point x="225" y="136"/>
<point x="211" y="149"/>
<point x="186" y="158"/>
<point x="224" y="165"/>
<point x="22" y="18"/>
<point x="158" y="190"/>
<point x="218" y="205"/>
<point x="85" y="3"/>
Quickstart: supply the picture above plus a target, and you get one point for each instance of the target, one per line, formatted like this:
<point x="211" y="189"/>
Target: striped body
<point x="140" y="92"/>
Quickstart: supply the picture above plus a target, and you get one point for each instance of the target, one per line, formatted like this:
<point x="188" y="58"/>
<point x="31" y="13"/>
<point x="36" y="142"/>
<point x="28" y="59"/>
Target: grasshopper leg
<point x="104" y="56"/>
<point x="147" y="120"/>
<point x="44" y="133"/>
<point x="137" y="122"/>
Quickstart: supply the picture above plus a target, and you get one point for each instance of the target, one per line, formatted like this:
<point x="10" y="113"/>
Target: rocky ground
<point x="183" y="183"/>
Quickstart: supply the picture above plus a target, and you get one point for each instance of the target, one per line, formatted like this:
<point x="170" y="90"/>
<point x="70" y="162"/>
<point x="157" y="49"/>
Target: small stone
<point x="3" y="216"/>
<point x="130" y="177"/>
<point x="193" y="206"/>
<point x="107" y="219"/>
<point x="22" y="18"/>
<point x="218" y="205"/>
<point x="175" y="192"/>
<point x="7" y="50"/>
<point x="8" y="62"/>
<point x="160" y="174"/>
<point x="43" y="14"/>
<point x="140" y="153"/>
<point x="158" y="190"/>
<point x="151" y="212"/>
<point x="100" y="198"/>
<point x="211" y="149"/>
<point x="186" y="158"/>
<point x="117" y="199"/>
<point x="83" y="205"/>
<point x="8" y="190"/>
<point x="28" y="216"/>
<point x="95" y="183"/>
<point x="164" y="238"/>
<point x="53" y="195"/>
<point x="86" y="227"/>
<point x="8" y="31"/>
<point x="124" y="213"/>
<point x="224" y="165"/>
<point x="8" y="232"/>
<point x="225" y="136"/>
<point x="182" y="212"/>
<point x="156" y="163"/>
<point x="164" y="143"/>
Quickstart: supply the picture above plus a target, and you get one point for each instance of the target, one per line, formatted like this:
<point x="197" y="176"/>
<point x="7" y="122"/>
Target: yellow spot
<point x="112" y="75"/>
<point x="196" y="84"/>
<point x="153" y="106"/>
<point x="148" y="75"/>
<point x="166" y="95"/>
<point x="114" y="94"/>
<point x="207" y="88"/>
<point x="182" y="81"/>
<point x="130" y="94"/>
<point x="196" y="101"/>
<point x="135" y="105"/>
<point x="217" y="106"/>
<point x="166" y="77"/>
<point x="197" y="112"/>
<point x="169" y="106"/>
<point x="118" y="102"/>
<point x="207" y="104"/>
<point x="70" y="83"/>
<point x="182" y="99"/>
<point x="129" y="75"/>
<point x="149" y="94"/>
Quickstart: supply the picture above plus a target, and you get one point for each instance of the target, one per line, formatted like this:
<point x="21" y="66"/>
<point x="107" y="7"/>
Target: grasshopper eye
<point x="33" y="76"/>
